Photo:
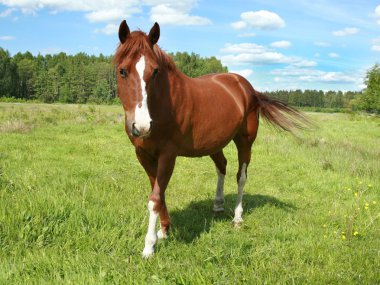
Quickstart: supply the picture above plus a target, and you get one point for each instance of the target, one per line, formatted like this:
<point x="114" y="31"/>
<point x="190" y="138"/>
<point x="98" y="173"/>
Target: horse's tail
<point x="280" y="115"/>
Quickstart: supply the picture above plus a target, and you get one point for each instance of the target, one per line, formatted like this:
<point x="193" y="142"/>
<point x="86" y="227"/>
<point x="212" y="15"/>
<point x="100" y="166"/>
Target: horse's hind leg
<point x="220" y="165"/>
<point x="243" y="145"/>
<point x="244" y="140"/>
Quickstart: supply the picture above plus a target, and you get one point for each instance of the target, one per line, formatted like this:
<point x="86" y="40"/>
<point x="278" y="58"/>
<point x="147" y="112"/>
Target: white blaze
<point x="142" y="117"/>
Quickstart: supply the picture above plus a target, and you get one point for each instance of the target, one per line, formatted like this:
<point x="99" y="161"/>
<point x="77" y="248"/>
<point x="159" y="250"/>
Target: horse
<point x="168" y="114"/>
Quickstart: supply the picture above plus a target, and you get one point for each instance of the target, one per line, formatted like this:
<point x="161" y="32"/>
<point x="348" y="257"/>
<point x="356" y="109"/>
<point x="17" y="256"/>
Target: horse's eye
<point x="123" y="72"/>
<point x="155" y="72"/>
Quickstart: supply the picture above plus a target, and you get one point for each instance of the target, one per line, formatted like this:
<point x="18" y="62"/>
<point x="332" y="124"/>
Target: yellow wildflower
<point x="369" y="185"/>
<point x="374" y="202"/>
<point x="355" y="233"/>
<point x="343" y="237"/>
<point x="356" y="194"/>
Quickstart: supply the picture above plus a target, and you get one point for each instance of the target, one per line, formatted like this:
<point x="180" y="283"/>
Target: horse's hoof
<point x="218" y="209"/>
<point x="237" y="223"/>
<point x="147" y="253"/>
<point x="162" y="235"/>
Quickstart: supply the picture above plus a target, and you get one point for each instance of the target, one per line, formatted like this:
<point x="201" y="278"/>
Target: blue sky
<point x="293" y="44"/>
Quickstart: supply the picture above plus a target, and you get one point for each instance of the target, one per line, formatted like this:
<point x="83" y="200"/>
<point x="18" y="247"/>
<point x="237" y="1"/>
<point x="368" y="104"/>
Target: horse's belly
<point x="209" y="138"/>
<point x="203" y="150"/>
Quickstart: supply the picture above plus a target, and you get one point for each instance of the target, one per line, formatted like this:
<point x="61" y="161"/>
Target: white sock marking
<point x="151" y="236"/>
<point x="219" y="195"/>
<point x="142" y="117"/>
<point x="161" y="234"/>
<point x="239" y="202"/>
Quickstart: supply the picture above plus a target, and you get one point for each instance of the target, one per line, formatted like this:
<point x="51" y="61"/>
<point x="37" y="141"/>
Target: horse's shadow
<point x="198" y="217"/>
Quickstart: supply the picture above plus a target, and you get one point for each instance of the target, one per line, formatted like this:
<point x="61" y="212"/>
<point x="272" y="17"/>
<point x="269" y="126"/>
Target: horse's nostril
<point x="135" y="131"/>
<point x="151" y="124"/>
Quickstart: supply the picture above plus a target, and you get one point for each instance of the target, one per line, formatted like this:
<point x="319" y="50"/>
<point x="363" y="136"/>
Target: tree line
<point x="366" y="100"/>
<point x="62" y="78"/>
<point x="318" y="99"/>
<point x="77" y="78"/>
<point x="82" y="78"/>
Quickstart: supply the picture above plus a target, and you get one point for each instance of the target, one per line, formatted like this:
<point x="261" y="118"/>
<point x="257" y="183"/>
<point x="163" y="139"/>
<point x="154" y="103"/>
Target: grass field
<point x="73" y="205"/>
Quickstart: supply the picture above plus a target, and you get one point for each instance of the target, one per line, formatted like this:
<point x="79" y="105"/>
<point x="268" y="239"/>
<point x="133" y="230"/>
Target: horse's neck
<point x="178" y="83"/>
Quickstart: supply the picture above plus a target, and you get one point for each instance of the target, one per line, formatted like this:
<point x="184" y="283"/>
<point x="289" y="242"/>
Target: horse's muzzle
<point x="141" y="132"/>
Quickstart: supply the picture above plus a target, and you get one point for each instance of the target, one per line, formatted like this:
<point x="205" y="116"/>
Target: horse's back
<point x="219" y="105"/>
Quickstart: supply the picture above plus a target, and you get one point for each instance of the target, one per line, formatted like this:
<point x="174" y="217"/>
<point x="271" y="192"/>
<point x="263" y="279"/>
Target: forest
<point x="83" y="78"/>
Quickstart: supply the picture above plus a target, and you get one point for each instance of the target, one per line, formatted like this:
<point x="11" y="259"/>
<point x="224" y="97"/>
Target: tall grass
<point x="73" y="205"/>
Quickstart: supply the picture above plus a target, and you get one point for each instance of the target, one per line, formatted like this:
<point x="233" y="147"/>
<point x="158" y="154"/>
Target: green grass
<point x="73" y="201"/>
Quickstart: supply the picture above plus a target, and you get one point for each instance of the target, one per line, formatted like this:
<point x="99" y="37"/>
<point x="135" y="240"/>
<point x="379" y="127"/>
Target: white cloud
<point x="247" y="35"/>
<point x="313" y="75"/>
<point x="239" y="25"/>
<point x="333" y="55"/>
<point x="328" y="76"/>
<point x="263" y="20"/>
<point x="281" y="44"/>
<point x="377" y="14"/>
<point x="165" y="14"/>
<point x="6" y="12"/>
<point x="51" y="50"/>
<point x="297" y="62"/>
<point x="7" y="38"/>
<point x="243" y="48"/>
<point x="322" y="44"/>
<point x="32" y="6"/>
<point x="105" y="15"/>
<point x="112" y="12"/>
<point x="250" y="53"/>
<point x="376" y="44"/>
<point x="244" y="72"/>
<point x="346" y="32"/>
<point x="109" y="29"/>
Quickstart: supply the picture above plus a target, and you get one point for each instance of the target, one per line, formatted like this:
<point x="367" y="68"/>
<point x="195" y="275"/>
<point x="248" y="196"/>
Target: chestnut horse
<point x="168" y="114"/>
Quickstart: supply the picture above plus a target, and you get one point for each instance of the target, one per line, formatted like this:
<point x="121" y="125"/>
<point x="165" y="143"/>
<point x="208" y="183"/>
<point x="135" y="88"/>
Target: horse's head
<point x="137" y="69"/>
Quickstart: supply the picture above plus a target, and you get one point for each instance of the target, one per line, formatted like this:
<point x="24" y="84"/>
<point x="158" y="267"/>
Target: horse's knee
<point x="160" y="208"/>
<point x="158" y="201"/>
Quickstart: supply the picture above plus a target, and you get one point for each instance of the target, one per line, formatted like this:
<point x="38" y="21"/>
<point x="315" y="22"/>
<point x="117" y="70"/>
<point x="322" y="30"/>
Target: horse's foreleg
<point x="220" y="165"/>
<point x="149" y="163"/>
<point x="157" y="205"/>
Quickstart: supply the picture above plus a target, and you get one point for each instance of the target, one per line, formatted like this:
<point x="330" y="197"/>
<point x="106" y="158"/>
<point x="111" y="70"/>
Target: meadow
<point x="73" y="204"/>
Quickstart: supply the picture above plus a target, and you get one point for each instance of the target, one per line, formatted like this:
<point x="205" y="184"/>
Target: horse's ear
<point x="123" y="31"/>
<point x="154" y="34"/>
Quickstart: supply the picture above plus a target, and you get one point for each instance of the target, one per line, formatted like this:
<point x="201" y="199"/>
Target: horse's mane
<point x="137" y="43"/>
